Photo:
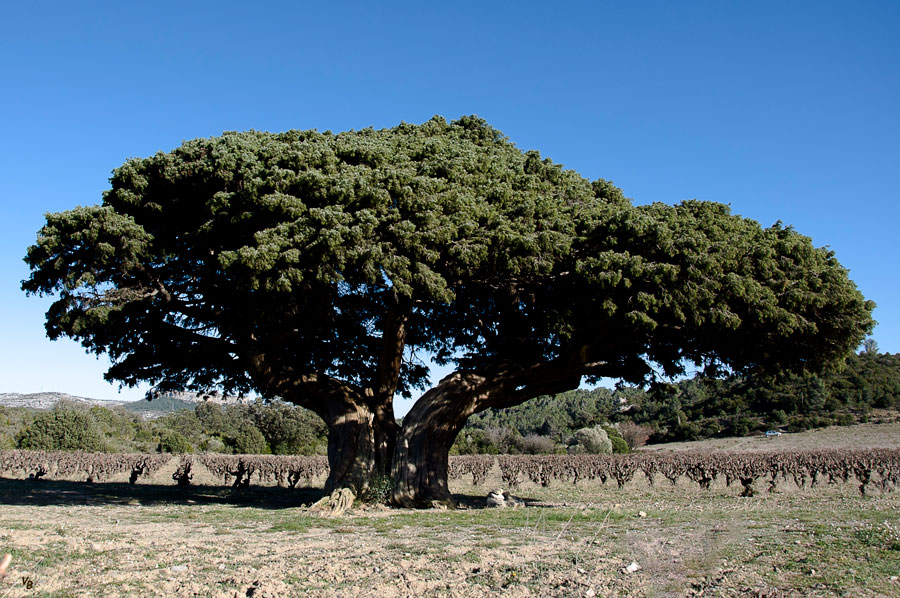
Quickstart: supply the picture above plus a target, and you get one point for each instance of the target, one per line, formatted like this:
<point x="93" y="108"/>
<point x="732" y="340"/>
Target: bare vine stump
<point x="183" y="475"/>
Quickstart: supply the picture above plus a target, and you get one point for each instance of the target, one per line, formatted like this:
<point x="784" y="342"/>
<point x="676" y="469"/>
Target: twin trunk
<point x="364" y="441"/>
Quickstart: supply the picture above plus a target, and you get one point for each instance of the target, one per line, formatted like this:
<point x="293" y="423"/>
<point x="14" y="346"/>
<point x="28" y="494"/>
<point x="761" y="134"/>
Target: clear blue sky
<point x="786" y="110"/>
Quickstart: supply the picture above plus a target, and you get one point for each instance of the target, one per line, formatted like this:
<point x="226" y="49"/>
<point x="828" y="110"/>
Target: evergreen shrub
<point x="62" y="430"/>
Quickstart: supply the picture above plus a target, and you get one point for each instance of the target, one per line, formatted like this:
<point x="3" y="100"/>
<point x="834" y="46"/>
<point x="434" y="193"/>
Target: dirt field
<point x="155" y="539"/>
<point x="860" y="436"/>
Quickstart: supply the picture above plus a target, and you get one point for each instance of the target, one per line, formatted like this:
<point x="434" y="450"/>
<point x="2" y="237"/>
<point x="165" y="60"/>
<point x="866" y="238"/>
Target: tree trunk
<point x="385" y="431"/>
<point x="419" y="468"/>
<point x="361" y="440"/>
<point x="421" y="457"/>
<point x="361" y="427"/>
<point x="387" y="377"/>
<point x="351" y="445"/>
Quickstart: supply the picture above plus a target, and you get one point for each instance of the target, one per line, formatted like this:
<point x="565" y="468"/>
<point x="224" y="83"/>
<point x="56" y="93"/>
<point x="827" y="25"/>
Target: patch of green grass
<point x="510" y="576"/>
<point x="837" y="558"/>
<point x="296" y="526"/>
<point x="293" y="580"/>
<point x="231" y="583"/>
<point x="470" y="556"/>
<point x="490" y="544"/>
<point x="884" y="537"/>
<point x="63" y="593"/>
<point x="48" y="556"/>
<point x="10" y="525"/>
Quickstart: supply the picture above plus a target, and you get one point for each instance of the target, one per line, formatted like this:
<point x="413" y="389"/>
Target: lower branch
<point x="419" y="468"/>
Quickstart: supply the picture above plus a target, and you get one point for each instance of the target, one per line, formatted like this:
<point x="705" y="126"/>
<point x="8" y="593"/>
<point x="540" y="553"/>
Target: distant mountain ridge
<point x="204" y="397"/>
<point x="159" y="406"/>
<point x="47" y="400"/>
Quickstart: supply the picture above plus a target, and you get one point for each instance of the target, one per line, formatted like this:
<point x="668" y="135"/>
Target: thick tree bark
<point x="351" y="445"/>
<point x="385" y="430"/>
<point x="363" y="438"/>
<point x="346" y="411"/>
<point x="387" y="377"/>
<point x="352" y="458"/>
<point x="422" y="454"/>
<point x="419" y="468"/>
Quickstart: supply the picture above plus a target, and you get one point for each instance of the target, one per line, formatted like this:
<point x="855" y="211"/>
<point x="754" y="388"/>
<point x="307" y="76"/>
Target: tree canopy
<point x="322" y="267"/>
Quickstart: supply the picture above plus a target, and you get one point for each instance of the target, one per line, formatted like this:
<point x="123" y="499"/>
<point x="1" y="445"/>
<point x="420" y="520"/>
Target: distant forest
<point x="867" y="388"/>
<point x="701" y="407"/>
<point x="180" y="427"/>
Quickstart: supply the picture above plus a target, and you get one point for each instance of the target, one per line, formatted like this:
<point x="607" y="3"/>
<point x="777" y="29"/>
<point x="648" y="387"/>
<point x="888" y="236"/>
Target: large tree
<point x="320" y="268"/>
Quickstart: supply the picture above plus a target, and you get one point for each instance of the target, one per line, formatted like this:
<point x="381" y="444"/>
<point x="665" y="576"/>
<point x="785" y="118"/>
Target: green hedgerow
<point x="171" y="441"/>
<point x="62" y="430"/>
<point x="250" y="441"/>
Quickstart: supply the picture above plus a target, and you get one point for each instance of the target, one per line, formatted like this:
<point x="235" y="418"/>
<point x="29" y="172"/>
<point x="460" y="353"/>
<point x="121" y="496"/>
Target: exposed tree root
<point x="335" y="504"/>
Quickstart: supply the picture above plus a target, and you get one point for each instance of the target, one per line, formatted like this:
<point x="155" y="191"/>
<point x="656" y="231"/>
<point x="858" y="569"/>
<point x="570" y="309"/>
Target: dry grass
<point x="860" y="436"/>
<point x="73" y="539"/>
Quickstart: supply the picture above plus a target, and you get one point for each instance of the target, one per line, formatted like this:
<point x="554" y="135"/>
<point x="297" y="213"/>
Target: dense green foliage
<point x="556" y="416"/>
<point x="255" y="428"/>
<point x="301" y="230"/>
<point x="171" y="441"/>
<point x="592" y="441"/>
<point x="315" y="233"/>
<point x="160" y="404"/>
<point x="700" y="407"/>
<point x="249" y="440"/>
<point x="704" y="407"/>
<point x="618" y="444"/>
<point x="12" y="421"/>
<point x="276" y="428"/>
<point x="62" y="430"/>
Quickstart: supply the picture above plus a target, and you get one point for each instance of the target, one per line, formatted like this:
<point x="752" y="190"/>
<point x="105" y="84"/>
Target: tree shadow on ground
<point x="15" y="492"/>
<point x="479" y="501"/>
<point x="69" y="493"/>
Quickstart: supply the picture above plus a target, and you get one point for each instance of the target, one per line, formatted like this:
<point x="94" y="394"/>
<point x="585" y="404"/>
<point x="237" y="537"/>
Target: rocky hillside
<point x="46" y="400"/>
<point x="205" y="397"/>
<point x="162" y="405"/>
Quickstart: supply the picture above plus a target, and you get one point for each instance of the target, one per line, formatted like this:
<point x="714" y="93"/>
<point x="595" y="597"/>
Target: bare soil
<point x="885" y="435"/>
<point x="155" y="539"/>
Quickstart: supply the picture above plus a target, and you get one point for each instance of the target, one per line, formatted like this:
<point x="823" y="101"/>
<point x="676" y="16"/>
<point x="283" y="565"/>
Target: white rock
<point x="496" y="499"/>
<point x="632" y="568"/>
<point x="513" y="501"/>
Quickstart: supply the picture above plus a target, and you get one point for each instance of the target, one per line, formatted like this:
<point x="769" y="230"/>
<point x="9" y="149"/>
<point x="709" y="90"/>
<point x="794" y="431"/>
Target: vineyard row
<point x="869" y="467"/>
